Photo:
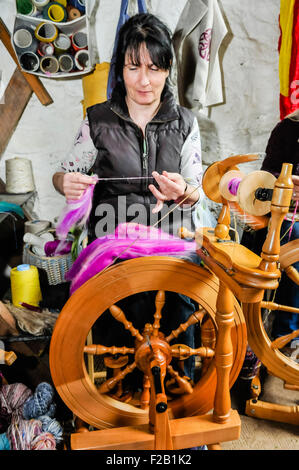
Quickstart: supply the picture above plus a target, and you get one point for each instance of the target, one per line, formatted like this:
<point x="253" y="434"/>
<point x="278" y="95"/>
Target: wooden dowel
<point x="192" y="320"/>
<point x="159" y="302"/>
<point x="33" y="81"/>
<point x="182" y="351"/>
<point x="98" y="349"/>
<point x="111" y="383"/>
<point x="283" y="308"/>
<point x="280" y="342"/>
<point x="119" y="315"/>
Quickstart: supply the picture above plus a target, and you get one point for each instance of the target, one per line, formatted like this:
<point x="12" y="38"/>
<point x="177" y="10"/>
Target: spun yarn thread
<point x="233" y="186"/>
<point x="25" y="285"/>
<point x="40" y="403"/>
<point x="19" y="175"/>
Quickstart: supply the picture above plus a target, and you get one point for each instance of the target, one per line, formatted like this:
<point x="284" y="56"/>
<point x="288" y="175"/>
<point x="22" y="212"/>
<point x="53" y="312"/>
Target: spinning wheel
<point x="161" y="274"/>
<point x="171" y="405"/>
<point x="257" y="196"/>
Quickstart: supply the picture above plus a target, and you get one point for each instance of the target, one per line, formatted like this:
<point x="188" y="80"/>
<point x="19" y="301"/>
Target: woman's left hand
<point x="171" y="187"/>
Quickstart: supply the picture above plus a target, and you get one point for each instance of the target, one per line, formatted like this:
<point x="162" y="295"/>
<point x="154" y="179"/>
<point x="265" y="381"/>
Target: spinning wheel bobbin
<point x="253" y="192"/>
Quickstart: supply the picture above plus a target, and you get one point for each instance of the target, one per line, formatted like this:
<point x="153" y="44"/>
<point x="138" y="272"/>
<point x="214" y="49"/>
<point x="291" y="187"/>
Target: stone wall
<point x="241" y="124"/>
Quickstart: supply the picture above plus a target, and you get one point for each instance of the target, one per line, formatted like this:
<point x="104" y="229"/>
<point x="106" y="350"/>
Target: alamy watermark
<point x="143" y="222"/>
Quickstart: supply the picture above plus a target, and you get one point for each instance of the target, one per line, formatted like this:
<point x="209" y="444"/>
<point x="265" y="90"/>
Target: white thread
<point x="36" y="226"/>
<point x="19" y="175"/>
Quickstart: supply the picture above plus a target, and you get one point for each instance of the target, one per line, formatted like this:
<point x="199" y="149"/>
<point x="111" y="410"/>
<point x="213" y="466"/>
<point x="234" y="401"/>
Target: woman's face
<point x="145" y="82"/>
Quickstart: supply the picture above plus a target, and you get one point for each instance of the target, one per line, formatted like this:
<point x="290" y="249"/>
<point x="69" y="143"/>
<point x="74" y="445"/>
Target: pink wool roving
<point x="75" y="213"/>
<point x="128" y="241"/>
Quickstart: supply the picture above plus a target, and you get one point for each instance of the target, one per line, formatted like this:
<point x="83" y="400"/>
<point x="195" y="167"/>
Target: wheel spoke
<point x="183" y="352"/>
<point x="183" y="385"/>
<point x="111" y="383"/>
<point x="283" y="308"/>
<point x="192" y="320"/>
<point x="98" y="349"/>
<point x="145" y="395"/>
<point x="160" y="302"/>
<point x="119" y="315"/>
<point x="280" y="342"/>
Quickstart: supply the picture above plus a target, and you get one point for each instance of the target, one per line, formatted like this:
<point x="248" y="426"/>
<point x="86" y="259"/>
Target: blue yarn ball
<point x="40" y="403"/>
<point x="4" y="442"/>
<point x="52" y="426"/>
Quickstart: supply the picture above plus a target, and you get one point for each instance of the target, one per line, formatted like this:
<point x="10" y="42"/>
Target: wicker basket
<point x="55" y="266"/>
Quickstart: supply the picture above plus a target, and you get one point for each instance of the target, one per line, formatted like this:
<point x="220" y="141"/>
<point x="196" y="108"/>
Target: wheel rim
<point x="67" y="365"/>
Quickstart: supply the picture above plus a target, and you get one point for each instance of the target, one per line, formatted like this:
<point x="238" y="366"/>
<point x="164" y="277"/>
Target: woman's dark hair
<point x="148" y="29"/>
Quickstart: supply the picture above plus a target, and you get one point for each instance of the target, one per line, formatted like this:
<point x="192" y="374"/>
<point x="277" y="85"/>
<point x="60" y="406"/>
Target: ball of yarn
<point x="22" y="432"/>
<point x="44" y="441"/>
<point x="40" y="403"/>
<point x="13" y="397"/>
<point x="52" y="426"/>
<point x="4" y="442"/>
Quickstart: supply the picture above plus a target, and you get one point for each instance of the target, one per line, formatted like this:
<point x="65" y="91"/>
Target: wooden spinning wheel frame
<point x="231" y="272"/>
<point x="87" y="304"/>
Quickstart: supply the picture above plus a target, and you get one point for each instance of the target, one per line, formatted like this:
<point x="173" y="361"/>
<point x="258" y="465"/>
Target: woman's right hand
<point x="74" y="185"/>
<point x="295" y="196"/>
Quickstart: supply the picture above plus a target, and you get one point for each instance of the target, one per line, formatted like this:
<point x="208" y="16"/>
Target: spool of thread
<point x="40" y="4"/>
<point x="72" y="13"/>
<point x="62" y="44"/>
<point x="233" y="186"/>
<point x="62" y="2"/>
<point x="19" y="175"/>
<point x="45" y="48"/>
<point x="29" y="61"/>
<point x="66" y="63"/>
<point x="24" y="40"/>
<point x="79" y="41"/>
<point x="82" y="59"/>
<point x="55" y="12"/>
<point x="25" y="286"/>
<point x="38" y="242"/>
<point x="46" y="32"/>
<point x="24" y="7"/>
<point x="49" y="65"/>
<point x="79" y="4"/>
<point x="36" y="226"/>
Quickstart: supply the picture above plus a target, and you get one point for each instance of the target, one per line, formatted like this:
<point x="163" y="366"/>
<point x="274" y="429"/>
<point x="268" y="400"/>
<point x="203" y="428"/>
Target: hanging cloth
<point x="288" y="47"/>
<point x="123" y="17"/>
<point x="197" y="39"/>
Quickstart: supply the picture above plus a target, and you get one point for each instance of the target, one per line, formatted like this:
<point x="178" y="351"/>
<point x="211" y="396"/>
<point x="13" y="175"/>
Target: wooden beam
<point x="16" y="97"/>
<point x="185" y="432"/>
<point x="33" y="81"/>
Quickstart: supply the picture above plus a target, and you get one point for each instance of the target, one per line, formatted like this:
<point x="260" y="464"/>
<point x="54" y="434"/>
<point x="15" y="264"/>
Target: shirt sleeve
<point x="82" y="154"/>
<point x="191" y="161"/>
<point x="192" y="172"/>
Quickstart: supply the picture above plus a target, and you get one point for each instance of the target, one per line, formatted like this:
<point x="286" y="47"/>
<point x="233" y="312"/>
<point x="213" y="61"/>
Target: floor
<point x="261" y="434"/>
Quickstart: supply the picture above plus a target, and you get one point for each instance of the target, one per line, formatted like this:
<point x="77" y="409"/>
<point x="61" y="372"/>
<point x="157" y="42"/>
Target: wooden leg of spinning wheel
<point x="214" y="446"/>
<point x="223" y="353"/>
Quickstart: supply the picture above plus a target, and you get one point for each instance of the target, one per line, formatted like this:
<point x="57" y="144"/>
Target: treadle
<point x="272" y="411"/>
<point x="185" y="432"/>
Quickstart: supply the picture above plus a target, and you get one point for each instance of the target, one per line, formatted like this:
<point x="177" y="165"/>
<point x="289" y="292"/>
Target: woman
<point x="283" y="147"/>
<point x="140" y="132"/>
